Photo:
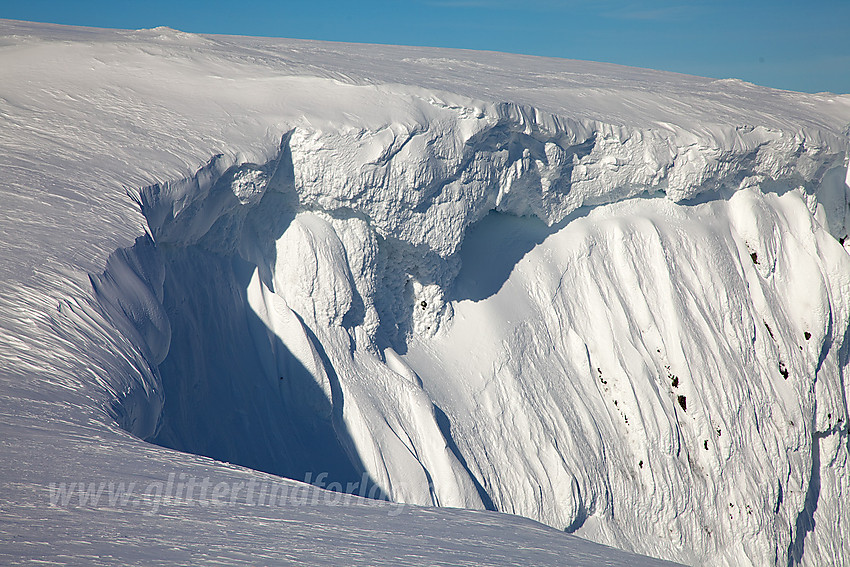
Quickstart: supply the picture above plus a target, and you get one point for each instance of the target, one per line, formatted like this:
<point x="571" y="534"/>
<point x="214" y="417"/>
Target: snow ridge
<point x="355" y="238"/>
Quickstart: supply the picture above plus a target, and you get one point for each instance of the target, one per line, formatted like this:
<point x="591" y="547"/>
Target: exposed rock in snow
<point x="608" y="299"/>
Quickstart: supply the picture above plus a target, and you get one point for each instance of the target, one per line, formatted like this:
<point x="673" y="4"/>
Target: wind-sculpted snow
<point x="611" y="300"/>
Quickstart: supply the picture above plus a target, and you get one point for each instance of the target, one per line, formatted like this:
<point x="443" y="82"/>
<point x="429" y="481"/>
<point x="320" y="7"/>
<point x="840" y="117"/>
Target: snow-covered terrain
<point x="611" y="300"/>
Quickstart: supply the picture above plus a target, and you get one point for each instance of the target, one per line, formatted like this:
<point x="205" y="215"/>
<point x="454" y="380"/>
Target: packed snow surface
<point x="611" y="300"/>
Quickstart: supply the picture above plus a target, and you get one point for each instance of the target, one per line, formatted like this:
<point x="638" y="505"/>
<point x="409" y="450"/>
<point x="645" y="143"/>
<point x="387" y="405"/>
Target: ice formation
<point x="612" y="300"/>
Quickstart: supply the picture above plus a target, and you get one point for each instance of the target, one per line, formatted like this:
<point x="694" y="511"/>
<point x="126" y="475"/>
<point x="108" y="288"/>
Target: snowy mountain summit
<point x="611" y="300"/>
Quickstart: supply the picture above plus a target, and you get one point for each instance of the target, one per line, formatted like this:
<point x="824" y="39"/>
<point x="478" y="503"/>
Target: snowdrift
<point x="612" y="300"/>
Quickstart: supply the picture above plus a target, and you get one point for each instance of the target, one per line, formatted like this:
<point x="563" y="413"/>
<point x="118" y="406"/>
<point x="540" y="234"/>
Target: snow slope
<point x="608" y="299"/>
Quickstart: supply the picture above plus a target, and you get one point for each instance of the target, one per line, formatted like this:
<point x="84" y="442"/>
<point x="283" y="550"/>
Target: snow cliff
<point x="615" y="301"/>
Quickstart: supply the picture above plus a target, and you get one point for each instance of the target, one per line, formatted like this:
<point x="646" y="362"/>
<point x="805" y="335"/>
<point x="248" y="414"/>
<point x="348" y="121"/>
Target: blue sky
<point x="786" y="44"/>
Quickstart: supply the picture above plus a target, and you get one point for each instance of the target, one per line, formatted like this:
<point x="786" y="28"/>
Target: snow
<point x="606" y="299"/>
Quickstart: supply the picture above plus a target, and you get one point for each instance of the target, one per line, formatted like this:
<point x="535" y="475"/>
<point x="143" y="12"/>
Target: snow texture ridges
<point x="623" y="315"/>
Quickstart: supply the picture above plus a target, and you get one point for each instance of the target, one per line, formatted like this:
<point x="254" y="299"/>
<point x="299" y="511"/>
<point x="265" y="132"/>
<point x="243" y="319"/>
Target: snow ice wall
<point x="635" y="335"/>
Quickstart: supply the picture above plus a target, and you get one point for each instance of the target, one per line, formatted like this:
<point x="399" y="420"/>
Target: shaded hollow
<point x="224" y="396"/>
<point x="228" y="387"/>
